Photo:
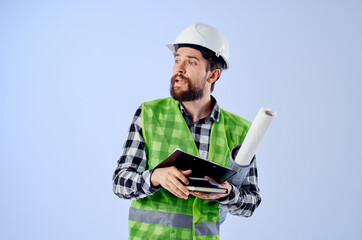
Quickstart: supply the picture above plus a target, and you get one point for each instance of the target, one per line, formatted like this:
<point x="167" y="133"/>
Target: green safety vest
<point x="163" y="215"/>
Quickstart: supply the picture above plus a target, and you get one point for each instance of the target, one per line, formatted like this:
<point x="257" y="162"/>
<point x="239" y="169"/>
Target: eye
<point x="192" y="63"/>
<point x="177" y="61"/>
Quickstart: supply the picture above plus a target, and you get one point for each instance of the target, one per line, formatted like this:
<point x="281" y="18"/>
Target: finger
<point x="175" y="190"/>
<point x="177" y="194"/>
<point x="207" y="195"/>
<point x="182" y="176"/>
<point x="176" y="182"/>
<point x="186" y="172"/>
<point x="228" y="186"/>
<point x="212" y="180"/>
<point x="196" y="194"/>
<point x="176" y="185"/>
<point x="201" y="195"/>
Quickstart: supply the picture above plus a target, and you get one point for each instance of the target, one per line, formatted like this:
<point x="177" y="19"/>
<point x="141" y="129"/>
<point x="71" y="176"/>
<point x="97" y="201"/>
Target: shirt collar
<point x="214" y="115"/>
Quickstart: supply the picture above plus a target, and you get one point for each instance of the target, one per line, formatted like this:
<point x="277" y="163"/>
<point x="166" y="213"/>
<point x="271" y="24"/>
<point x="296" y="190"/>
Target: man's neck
<point x="198" y="109"/>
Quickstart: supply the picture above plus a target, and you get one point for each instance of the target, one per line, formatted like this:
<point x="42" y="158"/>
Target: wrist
<point x="153" y="178"/>
<point x="227" y="196"/>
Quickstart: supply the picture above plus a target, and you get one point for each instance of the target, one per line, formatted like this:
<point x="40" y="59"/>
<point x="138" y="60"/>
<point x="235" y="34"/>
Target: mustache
<point x="178" y="75"/>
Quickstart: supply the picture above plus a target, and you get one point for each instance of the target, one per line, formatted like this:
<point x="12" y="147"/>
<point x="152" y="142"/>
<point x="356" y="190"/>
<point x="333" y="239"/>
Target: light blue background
<point x="74" y="72"/>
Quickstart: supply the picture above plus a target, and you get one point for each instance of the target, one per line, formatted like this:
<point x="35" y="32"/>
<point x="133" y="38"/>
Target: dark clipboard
<point x="200" y="167"/>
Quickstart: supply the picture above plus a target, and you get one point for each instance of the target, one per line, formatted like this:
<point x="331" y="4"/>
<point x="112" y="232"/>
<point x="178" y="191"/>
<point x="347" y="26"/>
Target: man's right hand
<point x="169" y="178"/>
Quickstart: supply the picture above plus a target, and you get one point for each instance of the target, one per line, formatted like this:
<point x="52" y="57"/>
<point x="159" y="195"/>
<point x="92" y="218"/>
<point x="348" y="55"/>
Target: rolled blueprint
<point x="254" y="136"/>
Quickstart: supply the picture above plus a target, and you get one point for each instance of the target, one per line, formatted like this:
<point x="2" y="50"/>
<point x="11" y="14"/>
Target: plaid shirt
<point x="131" y="179"/>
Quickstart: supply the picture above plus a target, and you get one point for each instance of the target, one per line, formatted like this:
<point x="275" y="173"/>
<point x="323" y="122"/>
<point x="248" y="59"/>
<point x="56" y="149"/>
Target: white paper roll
<point x="254" y="136"/>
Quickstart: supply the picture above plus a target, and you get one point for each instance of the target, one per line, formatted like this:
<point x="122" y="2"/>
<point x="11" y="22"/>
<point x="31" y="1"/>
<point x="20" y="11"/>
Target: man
<point x="162" y="207"/>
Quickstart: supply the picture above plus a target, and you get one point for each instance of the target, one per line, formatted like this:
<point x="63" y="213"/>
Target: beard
<point x="191" y="94"/>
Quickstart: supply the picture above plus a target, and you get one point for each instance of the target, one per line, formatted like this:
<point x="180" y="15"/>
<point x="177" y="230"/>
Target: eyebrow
<point x="188" y="56"/>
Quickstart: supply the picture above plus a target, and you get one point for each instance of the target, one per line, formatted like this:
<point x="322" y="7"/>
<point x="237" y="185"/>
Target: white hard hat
<point x="205" y="36"/>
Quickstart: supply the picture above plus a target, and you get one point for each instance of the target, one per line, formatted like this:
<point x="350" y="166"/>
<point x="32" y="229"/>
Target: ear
<point x="214" y="75"/>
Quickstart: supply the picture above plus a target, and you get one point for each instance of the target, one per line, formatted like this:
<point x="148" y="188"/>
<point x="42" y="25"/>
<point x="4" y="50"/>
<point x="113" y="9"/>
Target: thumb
<point x="212" y="180"/>
<point x="186" y="172"/>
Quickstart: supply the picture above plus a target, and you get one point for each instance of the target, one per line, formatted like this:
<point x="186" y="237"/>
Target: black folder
<point x="200" y="168"/>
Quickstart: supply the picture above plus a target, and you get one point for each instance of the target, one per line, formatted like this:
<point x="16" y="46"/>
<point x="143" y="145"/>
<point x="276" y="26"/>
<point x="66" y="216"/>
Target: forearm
<point x="245" y="197"/>
<point x="242" y="201"/>
<point x="128" y="183"/>
<point x="131" y="179"/>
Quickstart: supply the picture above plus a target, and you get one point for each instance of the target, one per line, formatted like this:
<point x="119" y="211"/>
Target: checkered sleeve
<point x="244" y="200"/>
<point x="131" y="179"/>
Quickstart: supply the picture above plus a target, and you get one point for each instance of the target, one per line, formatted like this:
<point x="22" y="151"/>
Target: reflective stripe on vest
<point x="207" y="228"/>
<point x="173" y="220"/>
<point x="161" y="218"/>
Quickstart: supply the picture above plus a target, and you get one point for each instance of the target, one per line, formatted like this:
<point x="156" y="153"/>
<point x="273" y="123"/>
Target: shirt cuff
<point x="147" y="186"/>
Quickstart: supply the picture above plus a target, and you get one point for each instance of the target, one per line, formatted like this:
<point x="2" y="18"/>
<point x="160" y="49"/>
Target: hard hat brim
<point x="171" y="46"/>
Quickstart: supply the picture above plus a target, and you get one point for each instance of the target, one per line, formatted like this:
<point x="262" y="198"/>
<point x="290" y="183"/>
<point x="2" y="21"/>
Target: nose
<point x="180" y="67"/>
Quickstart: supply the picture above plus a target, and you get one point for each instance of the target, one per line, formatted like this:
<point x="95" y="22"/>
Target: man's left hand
<point x="214" y="195"/>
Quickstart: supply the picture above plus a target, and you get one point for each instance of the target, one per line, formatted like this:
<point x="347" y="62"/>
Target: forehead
<point x="189" y="52"/>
